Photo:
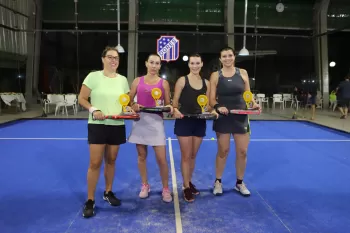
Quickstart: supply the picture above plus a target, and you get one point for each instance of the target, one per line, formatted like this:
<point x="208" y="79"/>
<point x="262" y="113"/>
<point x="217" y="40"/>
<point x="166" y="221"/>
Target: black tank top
<point x="229" y="91"/>
<point x="188" y="99"/>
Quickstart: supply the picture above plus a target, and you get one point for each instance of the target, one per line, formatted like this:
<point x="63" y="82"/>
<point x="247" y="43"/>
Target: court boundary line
<point x="73" y="221"/>
<point x="178" y="222"/>
<point x="273" y="211"/>
<point x="286" y="119"/>
<point x="205" y="139"/>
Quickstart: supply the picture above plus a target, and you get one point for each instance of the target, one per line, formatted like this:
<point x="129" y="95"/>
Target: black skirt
<point x="232" y="124"/>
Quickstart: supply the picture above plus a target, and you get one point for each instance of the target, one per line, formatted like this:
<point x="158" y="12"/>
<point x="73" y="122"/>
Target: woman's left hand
<point x="256" y="106"/>
<point x="171" y="109"/>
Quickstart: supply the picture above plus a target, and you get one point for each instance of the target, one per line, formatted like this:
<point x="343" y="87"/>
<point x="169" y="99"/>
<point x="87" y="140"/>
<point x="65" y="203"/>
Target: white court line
<point x="70" y="139"/>
<point x="284" y="140"/>
<point x="175" y="193"/>
<point x="273" y="211"/>
<point x="293" y="140"/>
<point x="205" y="139"/>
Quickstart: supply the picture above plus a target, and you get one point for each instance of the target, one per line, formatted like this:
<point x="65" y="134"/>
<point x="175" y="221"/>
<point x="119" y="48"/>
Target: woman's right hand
<point x="136" y="107"/>
<point x="223" y="110"/>
<point x="98" y="115"/>
<point x="177" y="114"/>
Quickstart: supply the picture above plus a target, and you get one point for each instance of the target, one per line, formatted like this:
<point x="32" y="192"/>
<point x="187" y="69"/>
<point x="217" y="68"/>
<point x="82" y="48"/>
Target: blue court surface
<point x="298" y="174"/>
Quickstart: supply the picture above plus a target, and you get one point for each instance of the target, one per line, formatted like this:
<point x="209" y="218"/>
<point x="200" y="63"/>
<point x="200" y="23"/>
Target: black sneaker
<point x="193" y="189"/>
<point x="89" y="209"/>
<point x="188" y="195"/>
<point x="112" y="200"/>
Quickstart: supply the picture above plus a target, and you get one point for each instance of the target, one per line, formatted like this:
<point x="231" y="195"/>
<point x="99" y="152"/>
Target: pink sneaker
<point x="145" y="189"/>
<point x="167" y="195"/>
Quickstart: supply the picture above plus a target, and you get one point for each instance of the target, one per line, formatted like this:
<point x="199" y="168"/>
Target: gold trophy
<point x="202" y="100"/>
<point x="248" y="97"/>
<point x="156" y="94"/>
<point x="124" y="100"/>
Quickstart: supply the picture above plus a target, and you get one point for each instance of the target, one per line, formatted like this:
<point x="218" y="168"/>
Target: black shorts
<point x="190" y="127"/>
<point x="106" y="134"/>
<point x="232" y="124"/>
<point x="312" y="100"/>
<point x="344" y="102"/>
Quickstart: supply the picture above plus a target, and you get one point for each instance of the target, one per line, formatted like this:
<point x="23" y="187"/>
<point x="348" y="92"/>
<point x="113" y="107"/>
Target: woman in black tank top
<point x="190" y="132"/>
<point x="226" y="92"/>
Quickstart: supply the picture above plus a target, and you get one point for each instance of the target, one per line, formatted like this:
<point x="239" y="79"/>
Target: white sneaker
<point x="217" y="188"/>
<point x="242" y="189"/>
<point x="145" y="189"/>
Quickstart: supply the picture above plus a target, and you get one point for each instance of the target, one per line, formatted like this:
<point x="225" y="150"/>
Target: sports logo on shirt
<point x="168" y="48"/>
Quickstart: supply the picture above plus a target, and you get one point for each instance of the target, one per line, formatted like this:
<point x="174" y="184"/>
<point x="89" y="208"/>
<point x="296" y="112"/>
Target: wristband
<point x="93" y="109"/>
<point x="216" y="107"/>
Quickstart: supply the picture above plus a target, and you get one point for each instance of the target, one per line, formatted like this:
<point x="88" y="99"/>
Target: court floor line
<point x="175" y="193"/>
<point x="72" y="222"/>
<point x="273" y="211"/>
<point x="207" y="139"/>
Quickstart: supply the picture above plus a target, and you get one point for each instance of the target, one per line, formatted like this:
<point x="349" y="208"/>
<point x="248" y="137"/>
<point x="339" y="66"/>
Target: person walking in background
<point x="344" y="97"/>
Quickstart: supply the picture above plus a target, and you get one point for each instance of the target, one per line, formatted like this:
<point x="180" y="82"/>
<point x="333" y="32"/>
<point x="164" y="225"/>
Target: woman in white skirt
<point x="149" y="130"/>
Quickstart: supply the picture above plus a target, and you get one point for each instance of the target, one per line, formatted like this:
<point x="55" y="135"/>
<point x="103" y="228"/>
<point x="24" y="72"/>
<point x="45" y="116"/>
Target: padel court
<point x="298" y="174"/>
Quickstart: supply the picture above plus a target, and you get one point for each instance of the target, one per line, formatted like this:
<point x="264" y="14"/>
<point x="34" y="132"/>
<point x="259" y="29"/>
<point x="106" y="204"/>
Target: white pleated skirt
<point x="149" y="130"/>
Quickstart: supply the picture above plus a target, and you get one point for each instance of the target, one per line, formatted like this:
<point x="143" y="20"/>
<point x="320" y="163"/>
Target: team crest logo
<point x="168" y="48"/>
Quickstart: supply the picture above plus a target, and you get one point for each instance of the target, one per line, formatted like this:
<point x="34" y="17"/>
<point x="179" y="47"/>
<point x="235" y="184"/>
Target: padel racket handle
<point x="155" y="109"/>
<point x="121" y="117"/>
<point x="204" y="116"/>
<point x="246" y="111"/>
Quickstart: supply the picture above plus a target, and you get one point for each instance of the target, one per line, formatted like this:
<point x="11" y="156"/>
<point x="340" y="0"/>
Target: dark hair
<point x="227" y="49"/>
<point x="194" y="55"/>
<point x="108" y="48"/>
<point x="153" y="54"/>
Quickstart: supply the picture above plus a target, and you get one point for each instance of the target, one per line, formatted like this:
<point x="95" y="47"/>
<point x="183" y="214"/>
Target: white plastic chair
<point x="261" y="99"/>
<point x="52" y="99"/>
<point x="69" y="100"/>
<point x="286" y="98"/>
<point x="72" y="100"/>
<point x="319" y="100"/>
<point x="277" y="98"/>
